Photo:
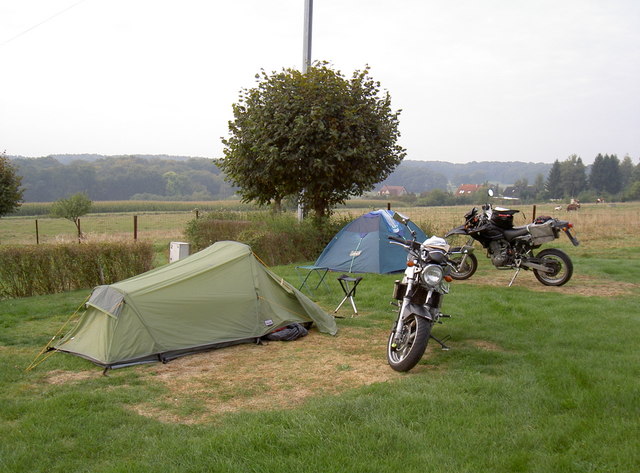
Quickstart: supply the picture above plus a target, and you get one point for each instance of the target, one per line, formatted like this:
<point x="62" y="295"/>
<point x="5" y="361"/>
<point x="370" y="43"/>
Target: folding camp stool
<point x="349" y="291"/>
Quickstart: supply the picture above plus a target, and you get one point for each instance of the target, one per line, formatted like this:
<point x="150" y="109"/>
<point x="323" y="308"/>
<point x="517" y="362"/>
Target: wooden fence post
<point x="37" y="234"/>
<point x="135" y="228"/>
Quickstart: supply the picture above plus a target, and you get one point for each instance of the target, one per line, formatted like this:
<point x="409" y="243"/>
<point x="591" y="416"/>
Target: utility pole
<point x="308" y="23"/>
<point x="306" y="61"/>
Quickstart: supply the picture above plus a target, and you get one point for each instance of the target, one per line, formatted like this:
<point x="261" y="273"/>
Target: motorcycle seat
<point x="515" y="232"/>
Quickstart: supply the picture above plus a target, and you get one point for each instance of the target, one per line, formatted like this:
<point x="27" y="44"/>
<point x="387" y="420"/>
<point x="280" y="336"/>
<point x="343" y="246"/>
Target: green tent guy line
<point x="217" y="297"/>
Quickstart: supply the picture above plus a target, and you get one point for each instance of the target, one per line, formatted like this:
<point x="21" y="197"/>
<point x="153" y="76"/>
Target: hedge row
<point x="45" y="269"/>
<point x="275" y="239"/>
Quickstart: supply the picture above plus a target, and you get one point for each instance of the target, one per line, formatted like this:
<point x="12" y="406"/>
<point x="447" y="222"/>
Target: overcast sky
<point x="477" y="80"/>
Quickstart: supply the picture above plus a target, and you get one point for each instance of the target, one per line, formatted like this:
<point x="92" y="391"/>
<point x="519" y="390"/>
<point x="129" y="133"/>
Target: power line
<point x="42" y="23"/>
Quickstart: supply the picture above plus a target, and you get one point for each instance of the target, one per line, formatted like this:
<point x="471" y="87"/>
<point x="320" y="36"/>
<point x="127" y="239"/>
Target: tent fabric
<point x="219" y="296"/>
<point x="362" y="246"/>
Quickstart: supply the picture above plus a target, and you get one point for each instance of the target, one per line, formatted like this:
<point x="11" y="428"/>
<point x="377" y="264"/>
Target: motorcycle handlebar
<point x="398" y="239"/>
<point x="412" y="244"/>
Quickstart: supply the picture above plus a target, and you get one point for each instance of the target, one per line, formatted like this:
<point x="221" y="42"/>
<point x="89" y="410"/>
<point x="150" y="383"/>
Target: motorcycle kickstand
<point x="441" y="342"/>
<point x="514" y="277"/>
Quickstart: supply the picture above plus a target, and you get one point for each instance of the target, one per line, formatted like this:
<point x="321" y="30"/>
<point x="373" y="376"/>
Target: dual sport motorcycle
<point x="418" y="298"/>
<point x="511" y="247"/>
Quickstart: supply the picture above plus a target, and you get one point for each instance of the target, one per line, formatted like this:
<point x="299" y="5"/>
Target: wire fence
<point x="149" y="226"/>
<point x="617" y="221"/>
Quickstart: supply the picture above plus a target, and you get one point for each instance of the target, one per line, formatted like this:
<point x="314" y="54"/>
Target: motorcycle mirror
<point x="490" y="192"/>
<point x="398" y="217"/>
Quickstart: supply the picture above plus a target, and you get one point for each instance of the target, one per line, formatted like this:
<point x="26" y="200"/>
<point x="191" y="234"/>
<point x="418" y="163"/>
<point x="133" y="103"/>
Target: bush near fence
<point x="29" y="270"/>
<point x="275" y="239"/>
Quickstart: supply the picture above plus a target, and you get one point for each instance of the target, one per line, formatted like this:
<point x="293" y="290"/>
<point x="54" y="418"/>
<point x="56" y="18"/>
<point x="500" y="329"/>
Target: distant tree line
<point x="419" y="177"/>
<point x="102" y="178"/>
<point x="122" y="178"/>
<point x="608" y="179"/>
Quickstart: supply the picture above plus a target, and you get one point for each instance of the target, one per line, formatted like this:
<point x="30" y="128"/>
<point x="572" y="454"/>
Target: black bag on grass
<point x="287" y="334"/>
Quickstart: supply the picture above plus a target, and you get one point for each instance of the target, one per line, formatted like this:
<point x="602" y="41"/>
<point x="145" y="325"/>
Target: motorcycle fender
<point x="417" y="309"/>
<point x="461" y="230"/>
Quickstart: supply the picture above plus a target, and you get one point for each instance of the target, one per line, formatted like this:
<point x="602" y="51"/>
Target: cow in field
<point x="574" y="206"/>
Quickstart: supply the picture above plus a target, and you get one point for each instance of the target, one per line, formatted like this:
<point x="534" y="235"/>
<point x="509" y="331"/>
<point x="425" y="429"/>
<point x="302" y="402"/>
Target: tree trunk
<point x="276" y="206"/>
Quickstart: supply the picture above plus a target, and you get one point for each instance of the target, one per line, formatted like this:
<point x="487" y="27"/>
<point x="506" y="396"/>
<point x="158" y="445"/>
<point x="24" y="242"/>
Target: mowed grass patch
<point x="534" y="380"/>
<point x="537" y="379"/>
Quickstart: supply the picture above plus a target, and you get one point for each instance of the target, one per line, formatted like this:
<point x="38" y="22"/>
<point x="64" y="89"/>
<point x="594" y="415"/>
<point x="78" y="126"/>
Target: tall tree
<point x="317" y="134"/>
<point x="573" y="176"/>
<point x="554" y="183"/>
<point x="626" y="172"/>
<point x="539" y="187"/>
<point x="10" y="191"/>
<point x="636" y="173"/>
<point x="605" y="174"/>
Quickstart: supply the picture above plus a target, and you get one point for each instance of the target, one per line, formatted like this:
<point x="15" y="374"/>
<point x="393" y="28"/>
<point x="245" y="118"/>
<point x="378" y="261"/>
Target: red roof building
<point x="466" y="189"/>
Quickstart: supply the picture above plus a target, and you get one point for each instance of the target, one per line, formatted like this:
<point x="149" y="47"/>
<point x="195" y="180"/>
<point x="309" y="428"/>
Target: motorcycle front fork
<point x="400" y="322"/>
<point x="406" y="300"/>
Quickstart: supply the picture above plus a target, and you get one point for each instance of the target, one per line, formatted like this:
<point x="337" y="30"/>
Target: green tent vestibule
<point x="217" y="297"/>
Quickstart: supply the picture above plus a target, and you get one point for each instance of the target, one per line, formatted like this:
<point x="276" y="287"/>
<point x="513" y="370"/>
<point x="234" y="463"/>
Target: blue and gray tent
<point x="362" y="245"/>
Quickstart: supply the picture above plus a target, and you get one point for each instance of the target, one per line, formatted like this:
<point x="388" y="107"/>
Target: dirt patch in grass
<point x="484" y="345"/>
<point x="579" y="284"/>
<point x="278" y="375"/>
<point x="64" y="377"/>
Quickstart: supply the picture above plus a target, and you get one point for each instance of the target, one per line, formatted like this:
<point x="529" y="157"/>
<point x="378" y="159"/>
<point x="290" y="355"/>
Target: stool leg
<point x="340" y="305"/>
<point x="353" y="304"/>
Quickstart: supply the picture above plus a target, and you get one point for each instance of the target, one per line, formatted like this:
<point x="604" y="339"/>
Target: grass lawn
<point x="537" y="380"/>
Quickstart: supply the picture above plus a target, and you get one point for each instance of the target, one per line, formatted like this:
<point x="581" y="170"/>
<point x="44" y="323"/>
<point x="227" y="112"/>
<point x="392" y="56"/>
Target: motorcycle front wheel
<point x="465" y="265"/>
<point x="560" y="265"/>
<point x="405" y="353"/>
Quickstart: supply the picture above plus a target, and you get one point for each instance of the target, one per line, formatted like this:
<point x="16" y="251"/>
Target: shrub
<point x="276" y="239"/>
<point x="29" y="270"/>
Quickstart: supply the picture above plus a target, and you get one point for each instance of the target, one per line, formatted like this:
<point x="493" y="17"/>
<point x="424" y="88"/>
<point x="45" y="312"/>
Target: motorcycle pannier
<point x="542" y="233"/>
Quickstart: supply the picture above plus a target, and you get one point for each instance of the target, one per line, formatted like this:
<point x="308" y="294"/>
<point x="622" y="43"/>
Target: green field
<point x="537" y="380"/>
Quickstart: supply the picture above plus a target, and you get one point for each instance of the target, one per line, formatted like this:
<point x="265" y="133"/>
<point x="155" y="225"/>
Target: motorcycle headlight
<point x="432" y="274"/>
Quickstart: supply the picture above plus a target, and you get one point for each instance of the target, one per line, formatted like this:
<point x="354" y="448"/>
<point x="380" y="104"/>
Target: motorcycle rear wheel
<point x="413" y="342"/>
<point x="463" y="270"/>
<point x="560" y="264"/>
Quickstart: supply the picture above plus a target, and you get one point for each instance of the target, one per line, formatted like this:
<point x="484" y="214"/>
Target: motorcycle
<point x="511" y="247"/>
<point x="418" y="297"/>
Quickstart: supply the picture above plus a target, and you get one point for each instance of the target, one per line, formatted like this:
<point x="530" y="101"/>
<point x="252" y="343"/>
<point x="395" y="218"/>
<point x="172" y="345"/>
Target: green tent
<point x="217" y="297"/>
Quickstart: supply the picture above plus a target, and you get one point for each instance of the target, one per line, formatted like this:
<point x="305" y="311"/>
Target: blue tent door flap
<point x="362" y="245"/>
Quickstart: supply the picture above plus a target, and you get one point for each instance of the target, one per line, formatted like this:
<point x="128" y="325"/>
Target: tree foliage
<point x="608" y="178"/>
<point x="72" y="209"/>
<point x="573" y="176"/>
<point x="605" y="174"/>
<point x="567" y="178"/>
<point x="554" y="181"/>
<point x="122" y="178"/>
<point x="318" y="135"/>
<point x="10" y="190"/>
